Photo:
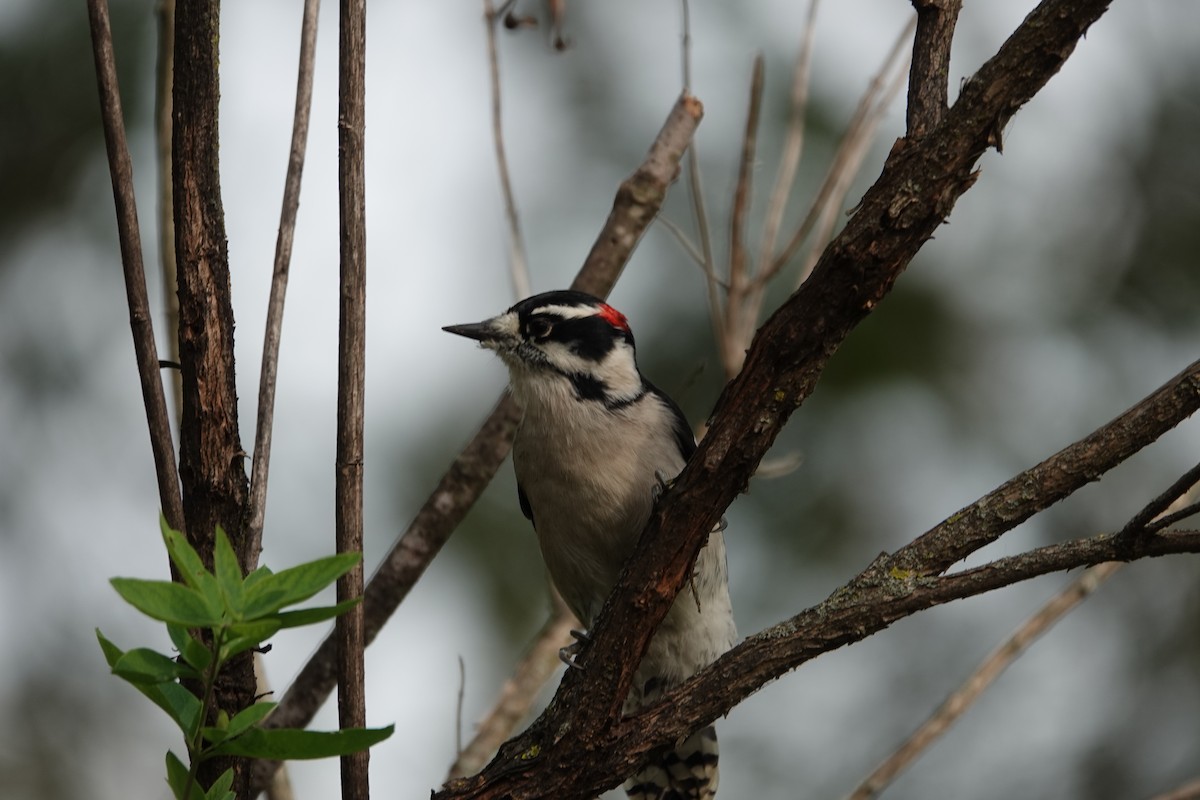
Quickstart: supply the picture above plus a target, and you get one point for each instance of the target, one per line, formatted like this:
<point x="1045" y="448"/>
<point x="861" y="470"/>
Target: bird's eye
<point x="538" y="328"/>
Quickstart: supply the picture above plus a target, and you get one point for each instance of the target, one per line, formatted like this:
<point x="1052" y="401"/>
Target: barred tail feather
<point x="687" y="771"/>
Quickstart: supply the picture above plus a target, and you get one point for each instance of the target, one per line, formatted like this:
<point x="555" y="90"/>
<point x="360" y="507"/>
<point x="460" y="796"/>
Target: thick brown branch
<point x="214" y="483"/>
<point x="146" y="352"/>
<point x="210" y="454"/>
<point x="916" y="192"/>
<point x="637" y="202"/>
<point x="859" y="610"/>
<point x="929" y="78"/>
<point x="872" y="602"/>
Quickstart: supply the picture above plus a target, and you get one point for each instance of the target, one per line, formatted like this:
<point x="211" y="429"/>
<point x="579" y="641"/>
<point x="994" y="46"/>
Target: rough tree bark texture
<point x="580" y="745"/>
<point x="211" y="458"/>
<point x="352" y="334"/>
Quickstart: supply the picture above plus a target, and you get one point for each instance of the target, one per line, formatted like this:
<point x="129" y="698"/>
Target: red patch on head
<point x="613" y="317"/>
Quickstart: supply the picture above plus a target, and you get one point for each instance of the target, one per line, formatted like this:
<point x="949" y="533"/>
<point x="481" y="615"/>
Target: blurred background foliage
<point x="1064" y="288"/>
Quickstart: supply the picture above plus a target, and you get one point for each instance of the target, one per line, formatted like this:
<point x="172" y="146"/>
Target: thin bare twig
<point x="637" y="202"/>
<point x="687" y="244"/>
<point x="695" y="192"/>
<point x="732" y="349"/>
<point x="348" y="484"/>
<point x="965" y="696"/>
<point x="517" y="262"/>
<point x="857" y="146"/>
<point x="519" y="692"/>
<point x="685" y="44"/>
<point x="164" y="79"/>
<point x="458" y="708"/>
<point x="280" y="787"/>
<point x="986" y="673"/>
<point x="260" y="464"/>
<point x="700" y="215"/>
<point x="121" y="169"/>
<point x="1163" y="502"/>
<point x="793" y="145"/>
<point x="852" y="140"/>
<point x="1170" y="519"/>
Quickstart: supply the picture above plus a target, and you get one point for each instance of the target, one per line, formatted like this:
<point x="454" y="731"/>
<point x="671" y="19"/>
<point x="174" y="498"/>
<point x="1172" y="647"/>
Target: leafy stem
<point x="196" y="750"/>
<point x="232" y="613"/>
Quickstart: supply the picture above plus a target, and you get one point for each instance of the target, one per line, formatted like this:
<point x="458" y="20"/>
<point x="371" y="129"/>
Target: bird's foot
<point x="661" y="484"/>
<point x="567" y="654"/>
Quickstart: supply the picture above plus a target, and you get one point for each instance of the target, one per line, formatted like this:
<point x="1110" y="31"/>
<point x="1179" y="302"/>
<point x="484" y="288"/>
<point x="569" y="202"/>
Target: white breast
<point x="589" y="475"/>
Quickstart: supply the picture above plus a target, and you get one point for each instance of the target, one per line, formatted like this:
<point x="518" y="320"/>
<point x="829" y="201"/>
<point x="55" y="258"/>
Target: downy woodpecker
<point x="594" y="445"/>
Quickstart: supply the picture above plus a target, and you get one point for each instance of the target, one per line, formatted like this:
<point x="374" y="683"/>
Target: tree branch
<point x="1047" y="616"/>
<point x="517" y="263"/>
<point x="1055" y="478"/>
<point x="145" y="350"/>
<point x="260" y="463"/>
<point x="352" y="340"/>
<point x="164" y="79"/>
<point x="929" y="78"/>
<point x="842" y="168"/>
<point x="732" y="346"/>
<point x="576" y="744"/>
<point x="637" y="202"/>
<point x="965" y="695"/>
<point x="210" y="452"/>
<point x="793" y="146"/>
<point x="882" y="594"/>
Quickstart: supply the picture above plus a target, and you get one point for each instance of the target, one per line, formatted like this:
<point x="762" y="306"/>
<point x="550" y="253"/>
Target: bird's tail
<point x="687" y="771"/>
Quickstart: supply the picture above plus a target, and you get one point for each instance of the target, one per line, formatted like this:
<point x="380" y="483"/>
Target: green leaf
<point x="229" y="573"/>
<point x="167" y="601"/>
<point x="220" y="787"/>
<point x="248" y="717"/>
<point x="288" y="743"/>
<point x="309" y="616"/>
<point x="294" y="585"/>
<point x="256" y="576"/>
<point x="112" y="653"/>
<point x="214" y="735"/>
<point x="245" y="635"/>
<point x="192" y="569"/>
<point x="144" y="665"/>
<point x="179" y="636"/>
<point x="183" y="555"/>
<point x="197" y="654"/>
<point x="180" y="704"/>
<point x="177" y="775"/>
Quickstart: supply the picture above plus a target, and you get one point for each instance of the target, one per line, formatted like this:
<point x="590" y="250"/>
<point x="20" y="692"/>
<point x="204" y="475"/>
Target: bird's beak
<point x="479" y="331"/>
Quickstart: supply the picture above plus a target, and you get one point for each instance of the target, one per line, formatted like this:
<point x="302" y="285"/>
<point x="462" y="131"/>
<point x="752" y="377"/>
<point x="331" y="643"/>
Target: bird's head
<point x="558" y="339"/>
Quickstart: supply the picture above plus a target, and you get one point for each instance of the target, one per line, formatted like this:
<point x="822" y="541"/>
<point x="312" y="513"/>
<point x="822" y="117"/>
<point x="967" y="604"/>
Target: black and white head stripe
<point x="581" y="338"/>
<point x="588" y="325"/>
<point x="570" y="334"/>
